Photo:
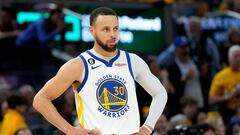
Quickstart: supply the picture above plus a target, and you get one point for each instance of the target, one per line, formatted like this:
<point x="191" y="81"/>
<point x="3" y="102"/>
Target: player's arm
<point x="67" y="74"/>
<point x="153" y="86"/>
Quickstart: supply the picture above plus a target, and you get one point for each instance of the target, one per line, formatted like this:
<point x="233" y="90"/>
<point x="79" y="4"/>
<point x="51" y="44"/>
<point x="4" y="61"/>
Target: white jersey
<point x="106" y="99"/>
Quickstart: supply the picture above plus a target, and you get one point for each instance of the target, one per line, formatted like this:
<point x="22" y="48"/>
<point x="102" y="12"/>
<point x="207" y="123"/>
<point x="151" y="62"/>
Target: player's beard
<point x="105" y="46"/>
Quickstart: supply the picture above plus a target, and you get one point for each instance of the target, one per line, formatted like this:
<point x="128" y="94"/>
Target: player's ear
<point x="91" y="29"/>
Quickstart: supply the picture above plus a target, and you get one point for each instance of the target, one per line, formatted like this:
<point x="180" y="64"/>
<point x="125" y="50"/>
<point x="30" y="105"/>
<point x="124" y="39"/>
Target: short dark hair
<point x="184" y="101"/>
<point x="101" y="11"/>
<point x="16" y="100"/>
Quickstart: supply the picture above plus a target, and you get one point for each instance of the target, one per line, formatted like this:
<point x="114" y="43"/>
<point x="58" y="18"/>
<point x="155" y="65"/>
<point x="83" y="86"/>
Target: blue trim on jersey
<point x="129" y="65"/>
<point x="86" y="73"/>
<point x="108" y="64"/>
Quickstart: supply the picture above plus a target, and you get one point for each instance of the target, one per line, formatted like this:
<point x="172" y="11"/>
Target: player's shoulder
<point x="136" y="61"/>
<point x="74" y="63"/>
<point x="72" y="69"/>
<point x="134" y="57"/>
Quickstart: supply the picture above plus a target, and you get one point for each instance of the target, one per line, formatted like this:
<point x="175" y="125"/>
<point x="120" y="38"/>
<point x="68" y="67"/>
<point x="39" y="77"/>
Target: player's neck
<point x="104" y="53"/>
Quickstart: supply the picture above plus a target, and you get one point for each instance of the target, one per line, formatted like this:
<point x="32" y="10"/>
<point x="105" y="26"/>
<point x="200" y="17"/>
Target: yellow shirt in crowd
<point x="12" y="122"/>
<point x="223" y="84"/>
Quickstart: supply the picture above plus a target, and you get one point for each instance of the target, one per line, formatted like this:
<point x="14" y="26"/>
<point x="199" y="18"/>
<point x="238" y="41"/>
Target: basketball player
<point x="103" y="80"/>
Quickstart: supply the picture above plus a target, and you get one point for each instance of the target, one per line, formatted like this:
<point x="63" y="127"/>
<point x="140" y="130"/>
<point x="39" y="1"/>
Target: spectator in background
<point x="189" y="108"/>
<point x="225" y="87"/>
<point x="43" y="31"/>
<point x="184" y="76"/>
<point x="34" y="40"/>
<point x="233" y="38"/>
<point x="236" y="118"/>
<point x="179" y="120"/>
<point x="160" y="73"/>
<point x="5" y="93"/>
<point x="216" y="121"/>
<point x="184" y="8"/>
<point x="202" y="129"/>
<point x="32" y="117"/>
<point x="23" y="131"/>
<point x="8" y="26"/>
<point x="202" y="8"/>
<point x="167" y="56"/>
<point x="13" y="119"/>
<point x="204" y="53"/>
<point x="8" y="34"/>
<point x="162" y="125"/>
<point x="201" y="117"/>
<point x="28" y="92"/>
<point x="234" y="127"/>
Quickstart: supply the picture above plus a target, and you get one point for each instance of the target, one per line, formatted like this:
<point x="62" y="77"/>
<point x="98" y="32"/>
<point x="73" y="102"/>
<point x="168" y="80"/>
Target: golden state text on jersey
<point x="112" y="96"/>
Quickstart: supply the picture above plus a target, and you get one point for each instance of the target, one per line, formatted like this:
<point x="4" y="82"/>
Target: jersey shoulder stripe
<point x="85" y="74"/>
<point x="129" y="64"/>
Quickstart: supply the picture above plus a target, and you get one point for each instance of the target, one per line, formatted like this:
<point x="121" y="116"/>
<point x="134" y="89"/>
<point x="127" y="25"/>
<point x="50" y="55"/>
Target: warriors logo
<point x="112" y="97"/>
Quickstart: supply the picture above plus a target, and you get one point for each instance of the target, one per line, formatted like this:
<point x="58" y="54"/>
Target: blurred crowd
<point x="202" y="78"/>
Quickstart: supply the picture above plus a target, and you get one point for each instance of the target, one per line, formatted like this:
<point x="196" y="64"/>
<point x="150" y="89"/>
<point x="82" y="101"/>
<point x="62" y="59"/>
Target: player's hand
<point x="94" y="132"/>
<point x="78" y="131"/>
<point x="143" y="131"/>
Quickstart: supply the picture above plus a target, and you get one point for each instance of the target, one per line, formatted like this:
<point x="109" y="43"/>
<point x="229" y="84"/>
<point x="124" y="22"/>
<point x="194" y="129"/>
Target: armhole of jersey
<point x="130" y="65"/>
<point x="85" y="73"/>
